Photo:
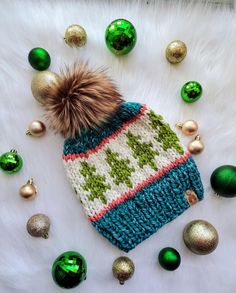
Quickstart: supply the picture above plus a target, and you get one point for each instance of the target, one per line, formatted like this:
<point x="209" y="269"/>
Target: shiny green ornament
<point x="120" y="37"/>
<point x="169" y="258"/>
<point x="69" y="269"/>
<point x="39" y="59"/>
<point x="223" y="181"/>
<point x="11" y="162"/>
<point x="191" y="91"/>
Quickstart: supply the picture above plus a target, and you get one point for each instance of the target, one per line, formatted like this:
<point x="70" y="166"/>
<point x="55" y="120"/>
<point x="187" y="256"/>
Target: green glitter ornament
<point x="11" y="162"/>
<point x="223" y="181"/>
<point x="39" y="59"/>
<point x="69" y="269"/>
<point x="120" y="36"/>
<point x="169" y="258"/>
<point x="191" y="91"/>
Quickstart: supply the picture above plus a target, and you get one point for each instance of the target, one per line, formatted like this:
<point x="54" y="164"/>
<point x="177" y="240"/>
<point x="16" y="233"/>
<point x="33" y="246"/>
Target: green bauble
<point x="169" y="258"/>
<point x="191" y="91"/>
<point x="11" y="162"/>
<point x="39" y="59"/>
<point x="223" y="181"/>
<point x="69" y="269"/>
<point x="120" y="36"/>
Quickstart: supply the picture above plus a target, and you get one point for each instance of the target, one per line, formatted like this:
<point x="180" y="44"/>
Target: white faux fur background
<point x="145" y="76"/>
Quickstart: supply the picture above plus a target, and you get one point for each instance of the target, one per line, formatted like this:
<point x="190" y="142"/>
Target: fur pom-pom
<point x="82" y="99"/>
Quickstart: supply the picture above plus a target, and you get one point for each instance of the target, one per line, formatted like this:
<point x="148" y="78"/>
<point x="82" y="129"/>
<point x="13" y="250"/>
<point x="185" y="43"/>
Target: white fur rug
<point x="144" y="76"/>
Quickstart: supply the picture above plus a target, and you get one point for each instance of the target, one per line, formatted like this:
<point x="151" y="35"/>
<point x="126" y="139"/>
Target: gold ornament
<point x="200" y="237"/>
<point x="176" y="52"/>
<point x="123" y="269"/>
<point x="38" y="226"/>
<point x="36" y="128"/>
<point x="196" y="146"/>
<point x="188" y="127"/>
<point x="40" y="82"/>
<point x="75" y="36"/>
<point x="28" y="190"/>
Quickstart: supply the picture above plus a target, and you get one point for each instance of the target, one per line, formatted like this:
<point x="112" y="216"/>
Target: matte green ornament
<point x="169" y="258"/>
<point x="69" y="269"/>
<point x="11" y="162"/>
<point x="191" y="91"/>
<point x="223" y="181"/>
<point x="120" y="36"/>
<point x="39" y="59"/>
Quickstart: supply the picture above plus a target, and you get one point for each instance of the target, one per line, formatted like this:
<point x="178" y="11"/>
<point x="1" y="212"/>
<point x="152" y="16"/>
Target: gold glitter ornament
<point x="123" y="269"/>
<point x="38" y="226"/>
<point x="36" y="128"/>
<point x="189" y="127"/>
<point x="196" y="146"/>
<point x="28" y="190"/>
<point x="200" y="237"/>
<point x="176" y="52"/>
<point x="75" y="36"/>
<point x="40" y="82"/>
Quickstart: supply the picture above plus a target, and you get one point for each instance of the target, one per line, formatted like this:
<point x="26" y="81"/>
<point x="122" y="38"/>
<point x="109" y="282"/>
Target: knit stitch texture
<point x="132" y="176"/>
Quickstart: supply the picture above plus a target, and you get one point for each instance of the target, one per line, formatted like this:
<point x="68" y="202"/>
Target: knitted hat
<point x="131" y="174"/>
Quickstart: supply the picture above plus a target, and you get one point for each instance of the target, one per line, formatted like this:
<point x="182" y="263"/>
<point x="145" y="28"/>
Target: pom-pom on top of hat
<point x="81" y="100"/>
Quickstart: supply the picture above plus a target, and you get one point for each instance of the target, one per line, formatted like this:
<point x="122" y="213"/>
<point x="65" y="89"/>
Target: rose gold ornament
<point x="36" y="128"/>
<point x="189" y="127"/>
<point x="28" y="190"/>
<point x="196" y="146"/>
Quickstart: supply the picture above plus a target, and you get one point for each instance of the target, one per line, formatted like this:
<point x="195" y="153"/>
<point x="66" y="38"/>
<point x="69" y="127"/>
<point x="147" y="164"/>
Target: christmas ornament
<point x="196" y="146"/>
<point x="38" y="226"/>
<point x="11" y="162"/>
<point x="87" y="109"/>
<point x="169" y="258"/>
<point x="39" y="59"/>
<point x="120" y="36"/>
<point x="191" y="91"/>
<point x="36" y="128"/>
<point x="123" y="269"/>
<point x="189" y="127"/>
<point x="75" y="36"/>
<point x="223" y="181"/>
<point x="176" y="52"/>
<point x="41" y="82"/>
<point x="28" y="190"/>
<point x="200" y="237"/>
<point x="69" y="269"/>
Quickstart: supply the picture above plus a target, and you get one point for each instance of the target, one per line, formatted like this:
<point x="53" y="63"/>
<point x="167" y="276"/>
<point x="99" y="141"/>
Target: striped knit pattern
<point x="132" y="176"/>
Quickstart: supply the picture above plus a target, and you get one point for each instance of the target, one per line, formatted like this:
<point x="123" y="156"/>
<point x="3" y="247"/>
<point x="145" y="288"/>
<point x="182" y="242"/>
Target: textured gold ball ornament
<point x="75" y="36"/>
<point x="38" y="226"/>
<point x="189" y="127"/>
<point x="40" y="82"/>
<point x="36" y="128"/>
<point x="200" y="237"/>
<point x="196" y="146"/>
<point x="28" y="190"/>
<point x="176" y="52"/>
<point x="123" y="269"/>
